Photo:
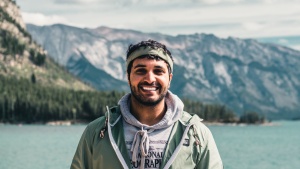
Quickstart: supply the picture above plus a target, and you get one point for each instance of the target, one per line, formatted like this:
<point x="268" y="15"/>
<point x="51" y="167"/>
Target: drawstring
<point x="196" y="136"/>
<point x="141" y="139"/>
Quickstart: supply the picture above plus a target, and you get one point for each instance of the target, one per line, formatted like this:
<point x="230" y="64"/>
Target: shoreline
<point x="240" y="124"/>
<point x="82" y="122"/>
<point x="50" y="123"/>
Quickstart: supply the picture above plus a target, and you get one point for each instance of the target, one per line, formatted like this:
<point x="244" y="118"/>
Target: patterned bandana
<point x="150" y="51"/>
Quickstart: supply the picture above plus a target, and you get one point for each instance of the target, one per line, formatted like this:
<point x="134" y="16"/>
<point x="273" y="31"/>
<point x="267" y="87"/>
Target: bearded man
<point x="148" y="128"/>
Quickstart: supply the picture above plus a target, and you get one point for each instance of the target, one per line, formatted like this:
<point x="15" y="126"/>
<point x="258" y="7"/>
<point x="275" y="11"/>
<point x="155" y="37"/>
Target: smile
<point x="149" y="88"/>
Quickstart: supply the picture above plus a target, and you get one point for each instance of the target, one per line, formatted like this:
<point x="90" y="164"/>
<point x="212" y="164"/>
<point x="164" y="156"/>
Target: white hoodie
<point x="146" y="144"/>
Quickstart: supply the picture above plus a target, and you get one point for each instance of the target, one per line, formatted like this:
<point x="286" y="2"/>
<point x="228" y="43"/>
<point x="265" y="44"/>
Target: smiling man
<point x="148" y="128"/>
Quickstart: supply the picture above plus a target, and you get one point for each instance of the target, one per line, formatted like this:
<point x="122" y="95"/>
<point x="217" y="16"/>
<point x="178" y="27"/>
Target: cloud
<point x="150" y="2"/>
<point x="75" y="1"/>
<point x="240" y="18"/>
<point x="252" y="26"/>
<point x="41" y="19"/>
<point x="215" y="2"/>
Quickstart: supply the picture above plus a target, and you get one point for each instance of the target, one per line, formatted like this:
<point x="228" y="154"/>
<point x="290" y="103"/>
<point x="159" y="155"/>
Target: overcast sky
<point x="237" y="18"/>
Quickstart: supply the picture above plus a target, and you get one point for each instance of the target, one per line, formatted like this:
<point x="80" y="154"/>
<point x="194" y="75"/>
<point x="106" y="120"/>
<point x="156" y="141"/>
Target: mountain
<point x="290" y="41"/>
<point x="22" y="57"/>
<point x="244" y="74"/>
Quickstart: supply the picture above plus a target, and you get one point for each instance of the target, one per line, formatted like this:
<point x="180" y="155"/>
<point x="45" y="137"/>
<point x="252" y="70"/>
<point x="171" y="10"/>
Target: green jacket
<point x="190" y="145"/>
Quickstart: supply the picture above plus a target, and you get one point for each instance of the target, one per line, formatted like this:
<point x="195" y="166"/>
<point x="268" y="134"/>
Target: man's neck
<point x="148" y="115"/>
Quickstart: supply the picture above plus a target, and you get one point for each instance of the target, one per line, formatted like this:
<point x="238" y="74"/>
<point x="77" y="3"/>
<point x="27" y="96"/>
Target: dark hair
<point x="149" y="43"/>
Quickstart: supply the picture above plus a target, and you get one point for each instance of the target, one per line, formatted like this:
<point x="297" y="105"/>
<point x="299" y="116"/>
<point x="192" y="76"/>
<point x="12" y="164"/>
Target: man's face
<point x="149" y="81"/>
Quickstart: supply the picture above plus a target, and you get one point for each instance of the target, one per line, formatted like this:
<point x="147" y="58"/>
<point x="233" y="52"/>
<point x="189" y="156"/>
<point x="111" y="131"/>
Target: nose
<point x="150" y="77"/>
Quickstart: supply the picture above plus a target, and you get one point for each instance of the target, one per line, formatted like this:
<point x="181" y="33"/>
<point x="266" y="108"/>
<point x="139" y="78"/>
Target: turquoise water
<point x="38" y="146"/>
<point x="259" y="147"/>
<point x="241" y="147"/>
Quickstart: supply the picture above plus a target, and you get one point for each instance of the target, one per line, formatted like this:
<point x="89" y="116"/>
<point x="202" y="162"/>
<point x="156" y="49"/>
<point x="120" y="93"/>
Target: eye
<point x="140" y="71"/>
<point x="159" y="71"/>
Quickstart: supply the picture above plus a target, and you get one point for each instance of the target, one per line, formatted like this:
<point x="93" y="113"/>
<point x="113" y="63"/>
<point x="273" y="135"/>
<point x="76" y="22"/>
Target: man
<point x="148" y="128"/>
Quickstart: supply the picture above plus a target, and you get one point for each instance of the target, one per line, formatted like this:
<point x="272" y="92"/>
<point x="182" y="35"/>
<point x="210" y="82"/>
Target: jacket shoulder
<point x="185" y="117"/>
<point x="196" y="121"/>
<point x="95" y="126"/>
<point x="189" y="118"/>
<point x="100" y="121"/>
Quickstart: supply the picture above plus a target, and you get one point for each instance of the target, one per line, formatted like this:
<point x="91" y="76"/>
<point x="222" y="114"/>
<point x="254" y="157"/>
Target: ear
<point x="128" y="80"/>
<point x="170" y="79"/>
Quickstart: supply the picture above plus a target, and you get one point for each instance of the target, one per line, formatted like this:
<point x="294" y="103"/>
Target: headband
<point x="150" y="51"/>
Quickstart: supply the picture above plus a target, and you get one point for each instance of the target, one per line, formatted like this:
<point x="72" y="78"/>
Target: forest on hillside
<point x="25" y="101"/>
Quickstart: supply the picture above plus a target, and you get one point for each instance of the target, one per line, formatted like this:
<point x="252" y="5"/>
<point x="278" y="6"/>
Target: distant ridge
<point x="291" y="41"/>
<point x="244" y="74"/>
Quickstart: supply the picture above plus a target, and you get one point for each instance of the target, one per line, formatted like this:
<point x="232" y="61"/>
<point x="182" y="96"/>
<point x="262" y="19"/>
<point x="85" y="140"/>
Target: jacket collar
<point x="118" y="132"/>
<point x="114" y="115"/>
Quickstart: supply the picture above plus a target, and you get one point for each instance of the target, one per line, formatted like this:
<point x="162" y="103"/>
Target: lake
<point x="241" y="147"/>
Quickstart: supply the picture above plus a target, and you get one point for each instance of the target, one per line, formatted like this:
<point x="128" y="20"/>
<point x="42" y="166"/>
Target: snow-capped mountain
<point x="241" y="73"/>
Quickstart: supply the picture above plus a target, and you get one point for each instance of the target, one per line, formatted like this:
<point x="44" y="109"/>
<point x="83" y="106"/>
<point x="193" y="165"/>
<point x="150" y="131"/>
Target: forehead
<point x="145" y="62"/>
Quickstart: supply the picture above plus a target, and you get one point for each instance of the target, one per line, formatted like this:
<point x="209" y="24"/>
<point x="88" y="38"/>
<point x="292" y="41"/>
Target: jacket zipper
<point x="114" y="145"/>
<point x="171" y="160"/>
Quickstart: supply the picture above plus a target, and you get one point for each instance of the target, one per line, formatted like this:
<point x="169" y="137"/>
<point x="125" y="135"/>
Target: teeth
<point x="149" y="88"/>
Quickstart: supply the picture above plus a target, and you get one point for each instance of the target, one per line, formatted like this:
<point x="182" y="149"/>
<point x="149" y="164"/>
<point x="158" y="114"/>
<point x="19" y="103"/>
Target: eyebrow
<point x="139" y="65"/>
<point x="142" y="66"/>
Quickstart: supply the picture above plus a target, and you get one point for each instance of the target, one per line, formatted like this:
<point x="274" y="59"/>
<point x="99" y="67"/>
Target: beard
<point x="143" y="100"/>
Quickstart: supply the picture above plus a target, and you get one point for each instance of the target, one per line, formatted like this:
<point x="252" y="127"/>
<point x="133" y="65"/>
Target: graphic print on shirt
<point x="155" y="154"/>
<point x="153" y="141"/>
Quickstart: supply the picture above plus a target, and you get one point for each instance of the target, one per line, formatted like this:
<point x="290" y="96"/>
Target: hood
<point x="173" y="113"/>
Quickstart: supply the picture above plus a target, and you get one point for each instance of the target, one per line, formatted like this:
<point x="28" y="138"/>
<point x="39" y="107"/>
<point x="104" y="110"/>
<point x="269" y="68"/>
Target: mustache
<point x="153" y="84"/>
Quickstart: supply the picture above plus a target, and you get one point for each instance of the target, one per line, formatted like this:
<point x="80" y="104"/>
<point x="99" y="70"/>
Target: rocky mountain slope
<point x="22" y="57"/>
<point x="242" y="73"/>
